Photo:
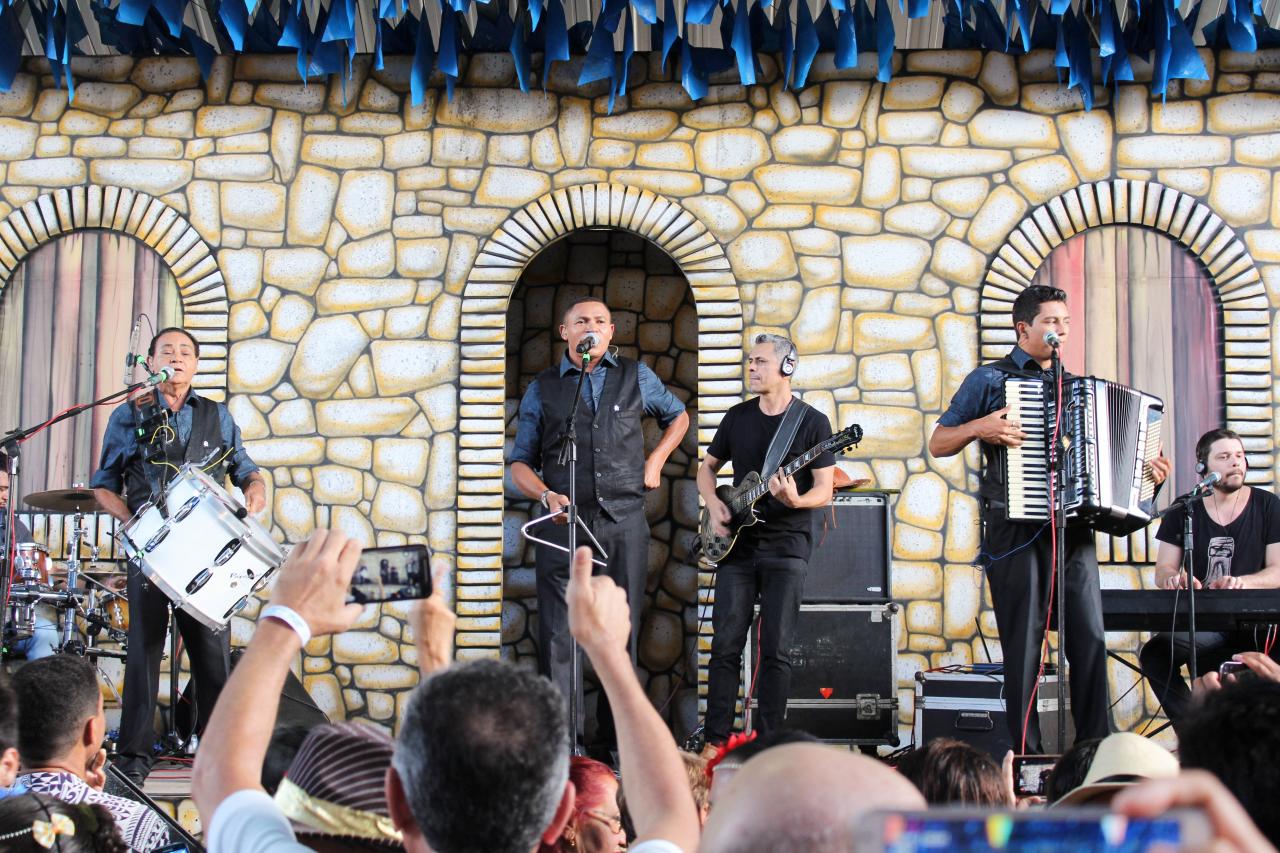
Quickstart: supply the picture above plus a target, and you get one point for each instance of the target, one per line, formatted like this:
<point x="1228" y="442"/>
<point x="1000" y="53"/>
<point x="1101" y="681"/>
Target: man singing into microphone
<point x="1236" y="545"/>
<point x="612" y="471"/>
<point x="1018" y="556"/>
<point x="194" y="429"/>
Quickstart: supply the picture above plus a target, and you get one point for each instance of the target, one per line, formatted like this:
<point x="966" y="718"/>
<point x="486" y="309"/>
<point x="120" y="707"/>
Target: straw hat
<point x="1123" y="759"/>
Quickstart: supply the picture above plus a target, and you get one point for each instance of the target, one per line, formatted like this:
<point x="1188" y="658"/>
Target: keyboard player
<point x="1017" y="554"/>
<point x="1236" y="531"/>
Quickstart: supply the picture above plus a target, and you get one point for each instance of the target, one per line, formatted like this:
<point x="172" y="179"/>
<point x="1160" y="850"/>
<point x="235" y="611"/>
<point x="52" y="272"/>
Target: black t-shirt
<point x="1235" y="550"/>
<point x="743" y="439"/>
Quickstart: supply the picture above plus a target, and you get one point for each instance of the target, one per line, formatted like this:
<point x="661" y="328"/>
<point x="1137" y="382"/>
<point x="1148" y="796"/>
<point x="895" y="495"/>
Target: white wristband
<point x="290" y="617"/>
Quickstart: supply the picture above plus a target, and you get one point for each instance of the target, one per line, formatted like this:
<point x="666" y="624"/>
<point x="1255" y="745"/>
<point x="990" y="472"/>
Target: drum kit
<point x="44" y="589"/>
<point x="195" y="542"/>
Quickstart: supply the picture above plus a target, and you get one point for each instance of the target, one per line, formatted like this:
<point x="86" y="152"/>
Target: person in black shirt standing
<point x="1236" y="532"/>
<point x="770" y="558"/>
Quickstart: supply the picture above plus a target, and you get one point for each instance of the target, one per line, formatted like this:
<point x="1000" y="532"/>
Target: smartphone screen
<point x="1031" y="772"/>
<point x="1031" y="831"/>
<point x="397" y="573"/>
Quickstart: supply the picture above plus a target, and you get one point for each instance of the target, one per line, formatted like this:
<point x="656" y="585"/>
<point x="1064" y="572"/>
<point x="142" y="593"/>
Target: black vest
<point x="610" y="440"/>
<point x="205" y="439"/>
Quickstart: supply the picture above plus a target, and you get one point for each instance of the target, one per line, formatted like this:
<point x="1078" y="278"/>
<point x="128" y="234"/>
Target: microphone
<point x="131" y="359"/>
<point x="162" y="375"/>
<point x="1051" y="338"/>
<point x="1207" y="483"/>
<point x="587" y="343"/>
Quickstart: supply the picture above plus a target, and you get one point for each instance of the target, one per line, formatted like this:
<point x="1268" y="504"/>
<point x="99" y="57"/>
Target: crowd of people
<point x="483" y="760"/>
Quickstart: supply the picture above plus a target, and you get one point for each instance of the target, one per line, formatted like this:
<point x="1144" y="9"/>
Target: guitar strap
<point x="782" y="438"/>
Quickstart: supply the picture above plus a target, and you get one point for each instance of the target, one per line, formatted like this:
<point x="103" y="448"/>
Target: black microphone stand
<point x="1187" y="502"/>
<point x="1059" y="467"/>
<point x="569" y="455"/>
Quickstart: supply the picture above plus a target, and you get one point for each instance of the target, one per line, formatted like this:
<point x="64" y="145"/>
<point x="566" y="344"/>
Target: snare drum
<point x="32" y="563"/>
<point x="208" y="555"/>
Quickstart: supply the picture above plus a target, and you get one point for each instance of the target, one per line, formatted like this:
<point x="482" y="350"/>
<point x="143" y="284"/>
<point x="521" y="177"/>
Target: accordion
<point x="1109" y="432"/>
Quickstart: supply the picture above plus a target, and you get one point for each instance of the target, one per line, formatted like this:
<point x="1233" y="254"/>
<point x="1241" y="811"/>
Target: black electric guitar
<point x="741" y="498"/>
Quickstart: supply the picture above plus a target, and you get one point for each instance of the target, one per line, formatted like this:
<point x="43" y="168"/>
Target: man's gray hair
<point x="483" y="754"/>
<point x="783" y="348"/>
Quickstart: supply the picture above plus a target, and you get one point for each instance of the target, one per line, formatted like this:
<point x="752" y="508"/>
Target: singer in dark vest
<point x="198" y="429"/>
<point x="1017" y="556"/>
<point x="1235" y="545"/>
<point x="613" y="472"/>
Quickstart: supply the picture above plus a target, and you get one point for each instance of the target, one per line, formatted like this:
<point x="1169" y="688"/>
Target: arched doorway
<point x="656" y="321"/>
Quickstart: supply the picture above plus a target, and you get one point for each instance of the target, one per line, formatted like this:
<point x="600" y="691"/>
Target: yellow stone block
<point x="913" y="543"/>
<point x="1043" y="178"/>
<point x="964" y="529"/>
<point x="379" y="416"/>
<point x="889" y="432"/>
<point x="923" y="501"/>
<point x="887" y="262"/>
<point x="875" y="332"/>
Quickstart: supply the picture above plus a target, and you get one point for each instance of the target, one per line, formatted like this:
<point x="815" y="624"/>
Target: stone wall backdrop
<point x="656" y="323"/>
<point x="349" y="263"/>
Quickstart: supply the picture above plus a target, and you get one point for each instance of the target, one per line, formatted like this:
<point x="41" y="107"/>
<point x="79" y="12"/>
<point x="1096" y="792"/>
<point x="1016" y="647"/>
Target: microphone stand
<point x="1059" y="467"/>
<point x="1187" y="503"/>
<point x="569" y="455"/>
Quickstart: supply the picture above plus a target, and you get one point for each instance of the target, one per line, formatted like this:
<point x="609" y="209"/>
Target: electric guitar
<point x="741" y="499"/>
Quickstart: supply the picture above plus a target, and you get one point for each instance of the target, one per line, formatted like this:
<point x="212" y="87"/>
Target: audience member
<point x="695" y="767"/>
<point x="802" y="798"/>
<point x="35" y="823"/>
<point x="595" y="826"/>
<point x="723" y="763"/>
<point x="61" y="726"/>
<point x="1234" y="733"/>
<point x="1122" y="759"/>
<point x="1068" y="774"/>
<point x="481" y="763"/>
<point x="334" y="793"/>
<point x="950" y="771"/>
<point x="9" y="760"/>
<point x="1195" y="789"/>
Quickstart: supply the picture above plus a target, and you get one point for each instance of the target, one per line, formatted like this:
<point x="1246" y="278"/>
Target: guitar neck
<point x="793" y="466"/>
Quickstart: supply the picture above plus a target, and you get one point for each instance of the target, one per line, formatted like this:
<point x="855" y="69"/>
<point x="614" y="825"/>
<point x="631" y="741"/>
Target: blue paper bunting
<point x="742" y="49"/>
<point x="806" y="44"/>
<point x="884" y="41"/>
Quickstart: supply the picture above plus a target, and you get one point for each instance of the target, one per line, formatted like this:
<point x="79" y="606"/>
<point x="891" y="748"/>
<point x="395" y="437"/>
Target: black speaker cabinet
<point x="843" y="673"/>
<point x="968" y="704"/>
<point x="851" y="550"/>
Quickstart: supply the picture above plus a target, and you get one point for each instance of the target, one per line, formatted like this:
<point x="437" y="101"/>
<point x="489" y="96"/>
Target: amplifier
<point x="851" y="550"/>
<point x="968" y="704"/>
<point x="843" y="673"/>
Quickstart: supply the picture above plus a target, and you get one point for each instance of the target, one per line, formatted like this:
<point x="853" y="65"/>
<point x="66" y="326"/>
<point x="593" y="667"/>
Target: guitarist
<point x="769" y="559"/>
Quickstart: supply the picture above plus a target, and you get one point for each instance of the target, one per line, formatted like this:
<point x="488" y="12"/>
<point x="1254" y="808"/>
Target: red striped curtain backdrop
<point x="65" y="320"/>
<point x="1144" y="314"/>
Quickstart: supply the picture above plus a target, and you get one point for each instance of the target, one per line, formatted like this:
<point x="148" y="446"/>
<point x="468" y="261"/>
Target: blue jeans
<point x="779" y="584"/>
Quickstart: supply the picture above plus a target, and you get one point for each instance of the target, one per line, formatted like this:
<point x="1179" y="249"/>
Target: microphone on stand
<point x="132" y="358"/>
<point x="161" y="376"/>
<point x="1206" y="484"/>
<point x="587" y="344"/>
<point x="1051" y="338"/>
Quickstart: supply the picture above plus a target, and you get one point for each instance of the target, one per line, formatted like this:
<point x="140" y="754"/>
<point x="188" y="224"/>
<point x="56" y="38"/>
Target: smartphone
<point x="1232" y="667"/>
<point x="397" y="573"/>
<point x="1030" y="772"/>
<point x="1082" y="829"/>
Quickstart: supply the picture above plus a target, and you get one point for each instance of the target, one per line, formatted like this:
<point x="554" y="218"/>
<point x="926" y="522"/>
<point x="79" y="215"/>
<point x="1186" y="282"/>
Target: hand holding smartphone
<point x="396" y="573"/>
<point x="1031" y="772"/>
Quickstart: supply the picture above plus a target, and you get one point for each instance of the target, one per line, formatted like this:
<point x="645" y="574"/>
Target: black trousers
<point x="1164" y="655"/>
<point x="209" y="653"/>
<point x="779" y="584"/>
<point x="626" y="541"/>
<point x="1020" y="594"/>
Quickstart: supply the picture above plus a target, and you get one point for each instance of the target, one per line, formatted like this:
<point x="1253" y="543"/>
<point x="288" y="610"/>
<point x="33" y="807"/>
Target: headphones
<point x="789" y="361"/>
<point x="1201" y="467"/>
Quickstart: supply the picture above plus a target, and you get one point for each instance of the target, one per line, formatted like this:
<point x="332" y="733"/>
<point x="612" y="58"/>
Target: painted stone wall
<point x="364" y="252"/>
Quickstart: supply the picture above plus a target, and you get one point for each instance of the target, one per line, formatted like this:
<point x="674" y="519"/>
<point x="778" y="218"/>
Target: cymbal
<point x="64" y="500"/>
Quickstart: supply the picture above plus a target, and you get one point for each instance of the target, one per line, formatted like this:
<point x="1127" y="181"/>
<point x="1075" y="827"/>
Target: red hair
<point x="591" y="782"/>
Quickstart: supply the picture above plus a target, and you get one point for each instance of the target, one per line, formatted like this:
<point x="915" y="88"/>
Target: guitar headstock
<point x="844" y="439"/>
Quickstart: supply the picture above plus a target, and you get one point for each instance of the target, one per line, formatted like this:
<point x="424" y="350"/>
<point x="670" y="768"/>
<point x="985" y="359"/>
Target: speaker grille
<point x="850" y="561"/>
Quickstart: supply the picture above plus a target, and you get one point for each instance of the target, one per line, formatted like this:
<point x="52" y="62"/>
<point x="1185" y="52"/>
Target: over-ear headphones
<point x="788" y="365"/>
<point x="1201" y="467"/>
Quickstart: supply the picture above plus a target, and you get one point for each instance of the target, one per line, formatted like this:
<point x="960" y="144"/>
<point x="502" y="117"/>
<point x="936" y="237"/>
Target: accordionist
<point x="1017" y="555"/>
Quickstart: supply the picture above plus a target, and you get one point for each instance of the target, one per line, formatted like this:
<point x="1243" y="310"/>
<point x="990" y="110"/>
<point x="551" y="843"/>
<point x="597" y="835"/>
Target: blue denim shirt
<point x="119" y="445"/>
<point x="659" y="403"/>
<point x="982" y="391"/>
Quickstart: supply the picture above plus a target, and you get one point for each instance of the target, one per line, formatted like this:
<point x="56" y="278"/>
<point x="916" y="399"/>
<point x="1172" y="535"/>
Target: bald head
<point x="802" y="797"/>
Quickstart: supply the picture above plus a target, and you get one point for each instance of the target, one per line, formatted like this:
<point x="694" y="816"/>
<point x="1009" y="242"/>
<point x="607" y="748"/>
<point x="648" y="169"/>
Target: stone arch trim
<point x="1237" y="284"/>
<point x="205" y="306"/>
<point x="482" y="385"/>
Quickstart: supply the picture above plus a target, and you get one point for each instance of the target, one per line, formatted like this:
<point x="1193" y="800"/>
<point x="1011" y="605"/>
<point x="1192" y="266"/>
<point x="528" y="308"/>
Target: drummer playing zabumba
<point x="184" y="428"/>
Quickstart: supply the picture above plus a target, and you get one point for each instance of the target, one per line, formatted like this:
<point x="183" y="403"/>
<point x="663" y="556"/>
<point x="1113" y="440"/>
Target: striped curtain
<point x="1144" y="314"/>
<point x="65" y="320"/>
